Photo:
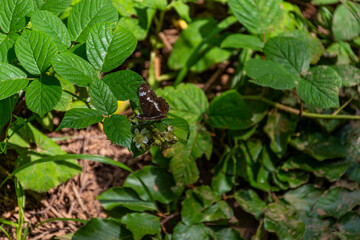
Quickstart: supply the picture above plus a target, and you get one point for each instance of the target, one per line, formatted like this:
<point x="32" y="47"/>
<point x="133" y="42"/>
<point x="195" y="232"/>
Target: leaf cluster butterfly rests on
<point x="152" y="106"/>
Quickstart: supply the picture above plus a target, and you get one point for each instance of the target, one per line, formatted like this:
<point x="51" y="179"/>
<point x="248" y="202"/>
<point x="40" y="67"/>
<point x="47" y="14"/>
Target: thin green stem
<point x="297" y="112"/>
<point x="343" y="106"/>
<point x="5" y="232"/>
<point x="21" y="204"/>
<point x="78" y="97"/>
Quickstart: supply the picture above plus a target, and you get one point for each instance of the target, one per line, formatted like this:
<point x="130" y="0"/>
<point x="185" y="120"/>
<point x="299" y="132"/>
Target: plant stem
<point x="343" y="106"/>
<point x="78" y="97"/>
<point x="21" y="204"/>
<point x="297" y="112"/>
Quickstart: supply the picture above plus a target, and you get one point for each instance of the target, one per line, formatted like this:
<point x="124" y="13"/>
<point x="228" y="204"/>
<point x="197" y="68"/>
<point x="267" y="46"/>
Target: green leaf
<point x="124" y="84"/>
<point x="35" y="50"/>
<point x="304" y="197"/>
<point x="159" y="4"/>
<point x="226" y="233"/>
<point x="102" y="229"/>
<point x="292" y="53"/>
<point x="210" y="53"/>
<point x="141" y="224"/>
<point x="270" y="74"/>
<point x="279" y="128"/>
<point x="44" y="176"/>
<point x="43" y="94"/>
<point x="124" y="197"/>
<point x="320" y="87"/>
<point x="117" y="129"/>
<point x="229" y="111"/>
<point x="324" y="2"/>
<point x="158" y="180"/>
<point x="50" y="24"/>
<point x="250" y="202"/>
<point x="78" y="118"/>
<point x="349" y="225"/>
<point x="283" y="221"/>
<point x="194" y="232"/>
<point x="6" y="43"/>
<point x="217" y="212"/>
<point x="237" y="40"/>
<point x="181" y="127"/>
<point x="106" y="49"/>
<point x="343" y="15"/>
<point x="183" y="164"/>
<point x="294" y="178"/>
<point x="66" y="98"/>
<point x="337" y="202"/>
<point x="316" y="228"/>
<point x="349" y="75"/>
<point x="86" y="14"/>
<point x="102" y="97"/>
<point x="12" y="14"/>
<point x="191" y="211"/>
<point x="12" y="80"/>
<point x="74" y="69"/>
<point x="7" y="106"/>
<point x="320" y="147"/>
<point x="186" y="101"/>
<point x="54" y="6"/>
<point x="258" y="16"/>
<point x="182" y="9"/>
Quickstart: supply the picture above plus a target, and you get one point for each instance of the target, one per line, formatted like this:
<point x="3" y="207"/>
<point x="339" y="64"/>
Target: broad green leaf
<point x="6" y="105"/>
<point x="320" y="147"/>
<point x="283" y="221"/>
<point x="102" y="97"/>
<point x="320" y="87"/>
<point x="141" y="224"/>
<point x="189" y="39"/>
<point x="238" y="40"/>
<point x="226" y="233"/>
<point x="194" y="232"/>
<point x="74" y="69"/>
<point x="35" y="50"/>
<point x="106" y="49"/>
<point x="258" y="16"/>
<point x="102" y="229"/>
<point x="86" y="14"/>
<point x="293" y="178"/>
<point x="12" y="14"/>
<point x="78" y="118"/>
<point x="349" y="75"/>
<point x="12" y="80"/>
<point x="50" y="24"/>
<point x="349" y="225"/>
<point x="279" y="128"/>
<point x="343" y="15"/>
<point x="316" y="228"/>
<point x="117" y="129"/>
<point x="43" y="94"/>
<point x="6" y="43"/>
<point x="304" y="197"/>
<point x="192" y="208"/>
<point x="186" y="101"/>
<point x="181" y="127"/>
<point x="124" y="84"/>
<point x="229" y="111"/>
<point x="292" y="53"/>
<point x="44" y="176"/>
<point x="158" y="180"/>
<point x="337" y="202"/>
<point x="183" y="163"/>
<point x="182" y="9"/>
<point x="217" y="212"/>
<point x="270" y="74"/>
<point x="159" y="4"/>
<point x="250" y="202"/>
<point x="54" y="6"/>
<point x="66" y="98"/>
<point x="324" y="2"/>
<point x="124" y="197"/>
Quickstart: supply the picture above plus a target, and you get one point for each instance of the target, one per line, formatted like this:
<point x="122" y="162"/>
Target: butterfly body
<point x="152" y="106"/>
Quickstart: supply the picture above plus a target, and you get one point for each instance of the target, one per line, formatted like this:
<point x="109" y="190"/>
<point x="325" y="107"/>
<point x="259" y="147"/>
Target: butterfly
<point x="152" y="106"/>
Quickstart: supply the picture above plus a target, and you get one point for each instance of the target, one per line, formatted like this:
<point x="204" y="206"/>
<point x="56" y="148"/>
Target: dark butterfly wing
<point x="153" y="107"/>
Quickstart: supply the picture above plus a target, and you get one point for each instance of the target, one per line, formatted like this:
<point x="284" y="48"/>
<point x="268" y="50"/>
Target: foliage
<point x="282" y="141"/>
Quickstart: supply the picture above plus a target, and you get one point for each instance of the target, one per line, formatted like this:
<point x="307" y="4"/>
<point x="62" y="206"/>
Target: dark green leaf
<point x="35" y="50"/>
<point x="304" y="197"/>
<point x="349" y="75"/>
<point x="217" y="212"/>
<point x="238" y="40"/>
<point x="102" y="229"/>
<point x="194" y="232"/>
<point x="106" y="49"/>
<point x="124" y="84"/>
<point x="343" y="15"/>
<point x="270" y="74"/>
<point x="191" y="211"/>
<point x="102" y="97"/>
<point x="141" y="224"/>
<point x="229" y="111"/>
<point x="349" y="225"/>
<point x="117" y="129"/>
<point x="6" y="43"/>
<point x="43" y="94"/>
<point x="86" y="14"/>
<point x="226" y="233"/>
<point x="6" y="105"/>
<point x="320" y="87"/>
<point x="181" y="127"/>
<point x="74" y="69"/>
<point x="12" y="14"/>
<point x="78" y="118"/>
<point x="158" y="180"/>
<point x="12" y="80"/>
<point x="124" y="197"/>
<point x="250" y="202"/>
